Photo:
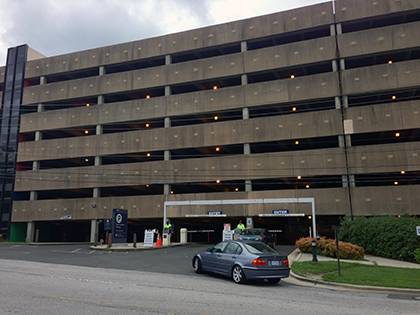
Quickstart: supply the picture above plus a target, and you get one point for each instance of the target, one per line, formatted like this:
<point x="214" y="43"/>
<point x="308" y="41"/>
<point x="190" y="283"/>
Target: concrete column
<point x="30" y="232"/>
<point x="352" y="181"/>
<point x="99" y="129"/>
<point x="244" y="46"/>
<point x="166" y="189"/>
<point x="342" y="64"/>
<point x="339" y="28"/>
<point x="96" y="192"/>
<point x="167" y="122"/>
<point x="35" y="165"/>
<point x="337" y="102"/>
<point x="341" y="141"/>
<point x="100" y="99"/>
<point x="345" y="101"/>
<point x="345" y="181"/>
<point x="40" y="108"/>
<point x="245" y="113"/>
<point x="248" y="186"/>
<point x="348" y="140"/>
<point x="247" y="149"/>
<point x="93" y="231"/>
<point x="38" y="135"/>
<point x="244" y="79"/>
<point x="332" y="30"/>
<point x="334" y="65"/>
<point x="33" y="195"/>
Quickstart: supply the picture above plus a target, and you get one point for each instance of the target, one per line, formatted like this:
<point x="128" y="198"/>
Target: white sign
<point x="228" y="235"/>
<point x="418" y="230"/>
<point x="148" y="238"/>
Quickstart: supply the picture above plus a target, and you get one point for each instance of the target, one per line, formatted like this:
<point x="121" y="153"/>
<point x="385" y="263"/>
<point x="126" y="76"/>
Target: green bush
<point x="327" y="247"/>
<point x="417" y="255"/>
<point x="390" y="237"/>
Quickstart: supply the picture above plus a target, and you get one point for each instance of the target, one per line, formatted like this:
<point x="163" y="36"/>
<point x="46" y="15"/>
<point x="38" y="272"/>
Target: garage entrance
<point x="63" y="231"/>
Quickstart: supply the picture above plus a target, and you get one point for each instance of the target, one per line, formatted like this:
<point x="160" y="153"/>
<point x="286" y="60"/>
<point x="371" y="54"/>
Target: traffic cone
<point x="158" y="241"/>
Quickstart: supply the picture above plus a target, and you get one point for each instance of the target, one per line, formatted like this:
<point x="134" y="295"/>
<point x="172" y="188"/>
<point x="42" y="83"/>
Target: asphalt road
<point x="174" y="260"/>
<point x="40" y="288"/>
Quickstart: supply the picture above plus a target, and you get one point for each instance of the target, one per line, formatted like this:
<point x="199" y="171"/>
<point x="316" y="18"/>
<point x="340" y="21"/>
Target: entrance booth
<point x="216" y="218"/>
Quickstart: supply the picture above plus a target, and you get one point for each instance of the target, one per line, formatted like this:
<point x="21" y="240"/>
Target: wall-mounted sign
<point x="280" y="211"/>
<point x="215" y="213"/>
<point x="119" y="225"/>
<point x="228" y="235"/>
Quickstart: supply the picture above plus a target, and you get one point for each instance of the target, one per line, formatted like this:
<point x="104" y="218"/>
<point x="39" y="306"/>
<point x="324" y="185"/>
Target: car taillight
<point x="259" y="262"/>
<point x="285" y="262"/>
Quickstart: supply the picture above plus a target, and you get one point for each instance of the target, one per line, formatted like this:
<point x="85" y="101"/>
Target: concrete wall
<point x="222" y="34"/>
<point x="387" y="200"/>
<point x="381" y="77"/>
<point x="268" y="165"/>
<point x="210" y="68"/>
<point x="379" y="40"/>
<point x="306" y="125"/>
<point x="357" y="9"/>
<point x="273" y="92"/>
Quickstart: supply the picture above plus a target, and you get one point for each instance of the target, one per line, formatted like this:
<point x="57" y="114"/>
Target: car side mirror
<point x="210" y="249"/>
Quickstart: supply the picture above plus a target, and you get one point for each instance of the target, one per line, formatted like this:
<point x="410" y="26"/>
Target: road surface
<point x="28" y="287"/>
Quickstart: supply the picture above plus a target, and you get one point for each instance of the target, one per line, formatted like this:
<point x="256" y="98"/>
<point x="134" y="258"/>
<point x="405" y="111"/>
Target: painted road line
<point x="91" y="252"/>
<point x="76" y="250"/>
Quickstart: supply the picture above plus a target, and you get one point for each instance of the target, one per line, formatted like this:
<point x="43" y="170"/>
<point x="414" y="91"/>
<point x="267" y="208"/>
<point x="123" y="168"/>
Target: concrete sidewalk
<point x="369" y="260"/>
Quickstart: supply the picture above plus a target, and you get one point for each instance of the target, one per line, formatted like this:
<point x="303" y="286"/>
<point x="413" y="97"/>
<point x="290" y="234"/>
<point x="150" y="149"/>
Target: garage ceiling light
<point x="216" y="117"/>
<point x="218" y="181"/>
<point x="147" y="125"/>
<point x="394" y="97"/>
<point x="297" y="142"/>
<point x="147" y="96"/>
<point x="396" y="183"/>
<point x="87" y="104"/>
<point x="403" y="172"/>
<point x="397" y="134"/>
<point x="217" y="149"/>
<point x="86" y="132"/>
<point x="292" y="76"/>
<point x="215" y="87"/>
<point x="294" y="109"/>
<point x="299" y="177"/>
<point x="307" y="186"/>
<point x="148" y="154"/>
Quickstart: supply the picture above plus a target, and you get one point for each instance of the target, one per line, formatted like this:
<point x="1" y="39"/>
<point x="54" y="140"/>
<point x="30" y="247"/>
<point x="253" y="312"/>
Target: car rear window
<point x="259" y="248"/>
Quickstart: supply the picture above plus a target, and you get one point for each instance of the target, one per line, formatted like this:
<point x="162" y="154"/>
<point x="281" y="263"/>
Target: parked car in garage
<point x="257" y="235"/>
<point x="242" y="261"/>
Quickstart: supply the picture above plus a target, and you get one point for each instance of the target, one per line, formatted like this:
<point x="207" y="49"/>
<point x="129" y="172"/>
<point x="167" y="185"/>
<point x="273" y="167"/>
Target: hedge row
<point x="390" y="237"/>
<point x="327" y="247"/>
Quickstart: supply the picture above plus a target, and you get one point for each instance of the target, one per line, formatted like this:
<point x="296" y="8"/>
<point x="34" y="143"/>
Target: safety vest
<point x="168" y="226"/>
<point x="240" y="226"/>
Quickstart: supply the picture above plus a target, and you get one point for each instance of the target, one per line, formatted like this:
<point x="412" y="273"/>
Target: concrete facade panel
<point x="385" y="117"/>
<point x="389" y="200"/>
<point x="328" y="201"/>
<point x="255" y="166"/>
<point x="306" y="52"/>
<point x="386" y="158"/>
<point x="379" y="40"/>
<point x="358" y="9"/>
<point x="381" y="78"/>
<point x="306" y="125"/>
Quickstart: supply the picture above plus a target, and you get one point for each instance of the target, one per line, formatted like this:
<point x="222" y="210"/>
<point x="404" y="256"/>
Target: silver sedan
<point x="243" y="260"/>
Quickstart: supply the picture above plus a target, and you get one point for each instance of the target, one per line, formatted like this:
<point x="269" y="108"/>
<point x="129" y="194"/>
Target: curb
<point x="132" y="249"/>
<point x="353" y="286"/>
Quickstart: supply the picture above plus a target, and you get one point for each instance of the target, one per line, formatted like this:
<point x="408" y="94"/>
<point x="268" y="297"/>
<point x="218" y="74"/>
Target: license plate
<point x="275" y="263"/>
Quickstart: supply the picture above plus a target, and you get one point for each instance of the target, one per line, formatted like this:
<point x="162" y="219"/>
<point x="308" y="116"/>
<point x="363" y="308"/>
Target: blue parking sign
<point x="119" y="225"/>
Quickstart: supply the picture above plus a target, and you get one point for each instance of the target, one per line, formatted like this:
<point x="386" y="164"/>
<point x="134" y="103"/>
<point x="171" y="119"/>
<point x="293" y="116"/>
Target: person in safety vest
<point x="240" y="227"/>
<point x="168" y="227"/>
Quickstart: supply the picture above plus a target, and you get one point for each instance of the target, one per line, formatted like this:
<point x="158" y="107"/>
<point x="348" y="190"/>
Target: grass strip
<point x="359" y="274"/>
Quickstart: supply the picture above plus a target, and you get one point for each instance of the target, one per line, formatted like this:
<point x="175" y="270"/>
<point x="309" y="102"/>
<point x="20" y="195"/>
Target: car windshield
<point x="252" y="232"/>
<point x="259" y="248"/>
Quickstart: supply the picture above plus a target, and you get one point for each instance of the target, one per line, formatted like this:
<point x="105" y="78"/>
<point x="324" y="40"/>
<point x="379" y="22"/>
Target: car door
<point x="229" y="257"/>
<point x="211" y="261"/>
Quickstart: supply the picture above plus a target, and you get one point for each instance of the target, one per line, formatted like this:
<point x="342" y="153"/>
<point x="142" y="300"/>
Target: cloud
<point x="60" y="26"/>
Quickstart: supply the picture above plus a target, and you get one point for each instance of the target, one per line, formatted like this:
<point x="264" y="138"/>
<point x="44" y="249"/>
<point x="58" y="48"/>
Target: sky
<point x="56" y="27"/>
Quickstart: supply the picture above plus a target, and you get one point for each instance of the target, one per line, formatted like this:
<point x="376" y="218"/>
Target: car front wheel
<point x="238" y="275"/>
<point x="197" y="265"/>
